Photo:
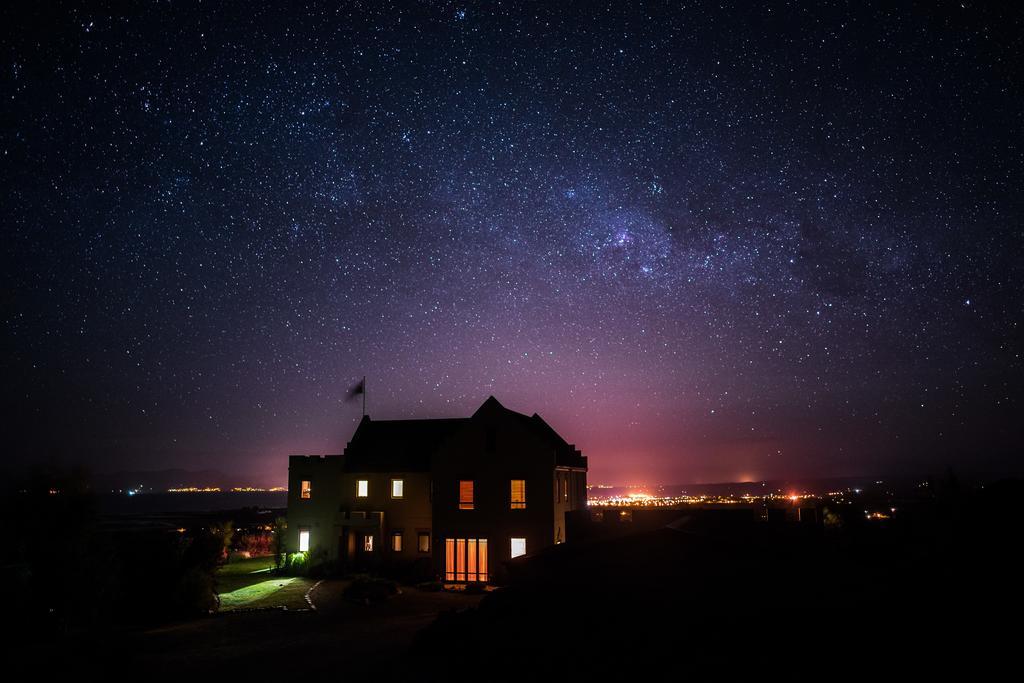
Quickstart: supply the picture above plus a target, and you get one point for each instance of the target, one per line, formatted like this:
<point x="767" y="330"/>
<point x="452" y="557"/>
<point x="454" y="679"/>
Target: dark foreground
<point x="357" y="639"/>
<point x="936" y="589"/>
<point x="363" y="641"/>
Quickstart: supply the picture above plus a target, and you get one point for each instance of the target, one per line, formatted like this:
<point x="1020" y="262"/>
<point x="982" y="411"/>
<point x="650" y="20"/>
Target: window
<point x="307" y="488"/>
<point x="518" y="547"/>
<point x="423" y="541"/>
<point x="303" y="540"/>
<point x="396" y="541"/>
<point x="465" y="494"/>
<point x="362" y="488"/>
<point x="465" y="559"/>
<point x="518" y="494"/>
<point x="368" y="543"/>
<point x="397" y="488"/>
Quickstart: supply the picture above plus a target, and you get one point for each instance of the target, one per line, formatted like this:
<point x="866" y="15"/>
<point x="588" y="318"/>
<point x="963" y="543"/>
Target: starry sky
<point x="707" y="242"/>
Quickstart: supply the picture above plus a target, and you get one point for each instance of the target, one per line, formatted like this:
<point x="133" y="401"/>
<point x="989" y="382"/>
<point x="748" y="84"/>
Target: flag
<point x="358" y="390"/>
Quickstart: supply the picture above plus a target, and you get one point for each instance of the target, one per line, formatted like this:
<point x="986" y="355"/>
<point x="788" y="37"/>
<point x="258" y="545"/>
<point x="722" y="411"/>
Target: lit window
<point x="303" y="540"/>
<point x="518" y="494"/>
<point x="397" y="488"/>
<point x="396" y="541"/>
<point x="465" y="559"/>
<point x="423" y="541"/>
<point x="465" y="495"/>
<point x="307" y="488"/>
<point x="362" y="488"/>
<point x="368" y="543"/>
<point x="518" y="547"/>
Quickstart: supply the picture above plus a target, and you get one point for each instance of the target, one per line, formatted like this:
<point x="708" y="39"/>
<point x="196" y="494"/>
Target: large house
<point x="458" y="497"/>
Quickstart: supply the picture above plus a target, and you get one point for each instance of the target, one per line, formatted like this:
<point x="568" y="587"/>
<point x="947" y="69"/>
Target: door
<point x="465" y="559"/>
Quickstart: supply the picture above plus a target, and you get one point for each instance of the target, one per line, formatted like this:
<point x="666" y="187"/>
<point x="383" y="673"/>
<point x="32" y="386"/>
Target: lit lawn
<point x="242" y="573"/>
<point x="250" y="583"/>
<point x="247" y="566"/>
<point x="286" y="591"/>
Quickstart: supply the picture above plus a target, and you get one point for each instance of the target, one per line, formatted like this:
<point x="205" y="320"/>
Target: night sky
<point x="707" y="243"/>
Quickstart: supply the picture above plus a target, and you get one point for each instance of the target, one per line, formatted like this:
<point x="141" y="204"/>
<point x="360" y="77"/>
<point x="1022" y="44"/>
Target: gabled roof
<point x="565" y="452"/>
<point x="408" y="445"/>
<point x="397" y="445"/>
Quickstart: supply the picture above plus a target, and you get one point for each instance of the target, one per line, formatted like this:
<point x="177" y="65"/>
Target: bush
<point x="317" y="564"/>
<point x="313" y="563"/>
<point x="195" y="594"/>
<point x="255" y="544"/>
<point x="293" y="564"/>
<point x="277" y="543"/>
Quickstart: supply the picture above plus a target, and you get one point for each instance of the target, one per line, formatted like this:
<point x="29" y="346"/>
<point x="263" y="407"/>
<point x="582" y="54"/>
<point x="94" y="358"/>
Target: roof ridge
<point x="421" y="419"/>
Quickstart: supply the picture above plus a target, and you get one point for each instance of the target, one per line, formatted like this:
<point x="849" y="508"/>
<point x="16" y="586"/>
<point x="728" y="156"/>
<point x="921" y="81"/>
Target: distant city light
<point x="596" y="499"/>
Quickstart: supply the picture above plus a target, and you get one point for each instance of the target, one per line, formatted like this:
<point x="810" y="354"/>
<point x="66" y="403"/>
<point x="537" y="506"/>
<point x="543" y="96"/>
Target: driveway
<point x="339" y="637"/>
<point x="412" y="602"/>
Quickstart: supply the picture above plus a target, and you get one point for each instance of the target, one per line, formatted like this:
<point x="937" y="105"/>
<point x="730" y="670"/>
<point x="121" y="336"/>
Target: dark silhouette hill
<point x="701" y="597"/>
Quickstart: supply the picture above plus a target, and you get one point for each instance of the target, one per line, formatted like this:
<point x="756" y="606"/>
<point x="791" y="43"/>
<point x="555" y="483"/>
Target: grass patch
<point x="287" y="591"/>
<point x="242" y="573"/>
<point x="253" y="564"/>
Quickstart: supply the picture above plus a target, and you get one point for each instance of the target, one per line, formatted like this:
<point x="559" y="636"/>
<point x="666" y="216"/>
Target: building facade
<point x="456" y="498"/>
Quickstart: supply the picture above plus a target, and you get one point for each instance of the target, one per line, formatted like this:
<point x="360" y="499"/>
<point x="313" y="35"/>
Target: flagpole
<point x="364" y="395"/>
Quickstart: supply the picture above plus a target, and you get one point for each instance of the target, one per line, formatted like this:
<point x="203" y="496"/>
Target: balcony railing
<point x="363" y="519"/>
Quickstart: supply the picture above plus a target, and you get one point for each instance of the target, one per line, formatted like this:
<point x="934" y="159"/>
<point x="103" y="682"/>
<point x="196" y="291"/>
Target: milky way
<point x="706" y="243"/>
